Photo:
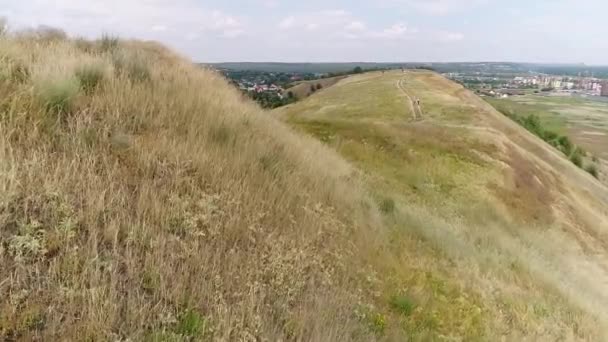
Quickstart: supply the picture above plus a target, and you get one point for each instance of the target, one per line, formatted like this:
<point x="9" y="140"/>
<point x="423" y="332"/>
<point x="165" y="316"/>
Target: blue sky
<point x="549" y="31"/>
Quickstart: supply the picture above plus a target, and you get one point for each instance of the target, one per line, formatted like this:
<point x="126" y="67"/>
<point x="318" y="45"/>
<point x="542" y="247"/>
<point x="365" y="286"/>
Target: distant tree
<point x="319" y="86"/>
<point x="357" y="70"/>
<point x="566" y="145"/>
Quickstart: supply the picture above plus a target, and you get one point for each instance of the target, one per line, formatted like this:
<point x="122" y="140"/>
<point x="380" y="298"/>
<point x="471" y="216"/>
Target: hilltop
<point x="508" y="223"/>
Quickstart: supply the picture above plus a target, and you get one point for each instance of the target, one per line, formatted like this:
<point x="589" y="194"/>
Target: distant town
<point x="513" y="85"/>
<point x="269" y="83"/>
<point x="272" y="88"/>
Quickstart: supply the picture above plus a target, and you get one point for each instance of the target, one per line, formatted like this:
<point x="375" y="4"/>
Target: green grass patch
<point x="387" y="205"/>
<point x="58" y="95"/>
<point x="191" y="324"/>
<point x="90" y="76"/>
<point x="402" y="304"/>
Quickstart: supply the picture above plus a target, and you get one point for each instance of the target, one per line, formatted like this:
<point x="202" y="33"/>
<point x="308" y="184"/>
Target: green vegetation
<point x="58" y="95"/>
<point x="270" y="100"/>
<point x="533" y="124"/>
<point x="90" y="76"/>
<point x="191" y="324"/>
<point x="539" y="119"/>
<point x="387" y="205"/>
<point x="402" y="304"/>
<point x="592" y="169"/>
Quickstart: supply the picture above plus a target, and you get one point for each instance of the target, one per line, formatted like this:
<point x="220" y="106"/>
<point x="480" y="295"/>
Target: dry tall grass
<point x="141" y="198"/>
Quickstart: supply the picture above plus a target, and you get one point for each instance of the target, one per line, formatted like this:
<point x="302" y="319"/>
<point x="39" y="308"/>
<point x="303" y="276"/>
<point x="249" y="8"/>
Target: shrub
<point x="387" y="205"/>
<point x="577" y="158"/>
<point x="108" y="43"/>
<point x="132" y="66"/>
<point x="592" y="169"/>
<point x="532" y="123"/>
<point x="90" y="76"/>
<point x="319" y="86"/>
<point x="565" y="145"/>
<point x="402" y="304"/>
<point x="58" y="95"/>
<point x="313" y="88"/>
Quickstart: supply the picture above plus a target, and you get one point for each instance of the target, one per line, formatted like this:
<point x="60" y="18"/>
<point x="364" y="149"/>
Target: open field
<point x="507" y="222"/>
<point x="584" y="120"/>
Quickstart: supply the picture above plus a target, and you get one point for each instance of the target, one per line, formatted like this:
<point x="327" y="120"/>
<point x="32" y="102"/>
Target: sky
<point x="542" y="31"/>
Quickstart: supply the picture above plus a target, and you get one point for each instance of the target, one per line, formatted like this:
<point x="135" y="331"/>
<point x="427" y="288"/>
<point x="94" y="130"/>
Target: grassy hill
<point x="144" y="199"/>
<point x="496" y="234"/>
<point x="303" y="89"/>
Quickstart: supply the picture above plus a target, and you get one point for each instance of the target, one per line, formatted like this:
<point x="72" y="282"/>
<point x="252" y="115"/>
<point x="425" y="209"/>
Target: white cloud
<point x="312" y="26"/>
<point x="395" y="31"/>
<point x="287" y="23"/>
<point x="270" y="3"/>
<point x="452" y="36"/>
<point x="127" y="17"/>
<point x="158" y="28"/>
<point x="441" y="7"/>
<point x="356" y="26"/>
<point x="287" y="30"/>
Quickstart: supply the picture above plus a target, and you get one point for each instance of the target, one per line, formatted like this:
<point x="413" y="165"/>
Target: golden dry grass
<point x="142" y="198"/>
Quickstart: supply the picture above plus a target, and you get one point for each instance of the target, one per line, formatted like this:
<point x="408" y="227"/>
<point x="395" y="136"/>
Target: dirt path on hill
<point x="414" y="105"/>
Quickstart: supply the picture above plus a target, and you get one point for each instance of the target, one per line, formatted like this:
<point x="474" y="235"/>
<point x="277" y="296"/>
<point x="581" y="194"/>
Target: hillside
<point x="303" y="89"/>
<point x="144" y="199"/>
<point x="515" y="232"/>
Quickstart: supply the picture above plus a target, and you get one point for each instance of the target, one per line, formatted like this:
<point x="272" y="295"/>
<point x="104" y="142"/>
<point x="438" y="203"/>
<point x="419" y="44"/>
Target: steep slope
<point x="507" y="219"/>
<point x="143" y="199"/>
